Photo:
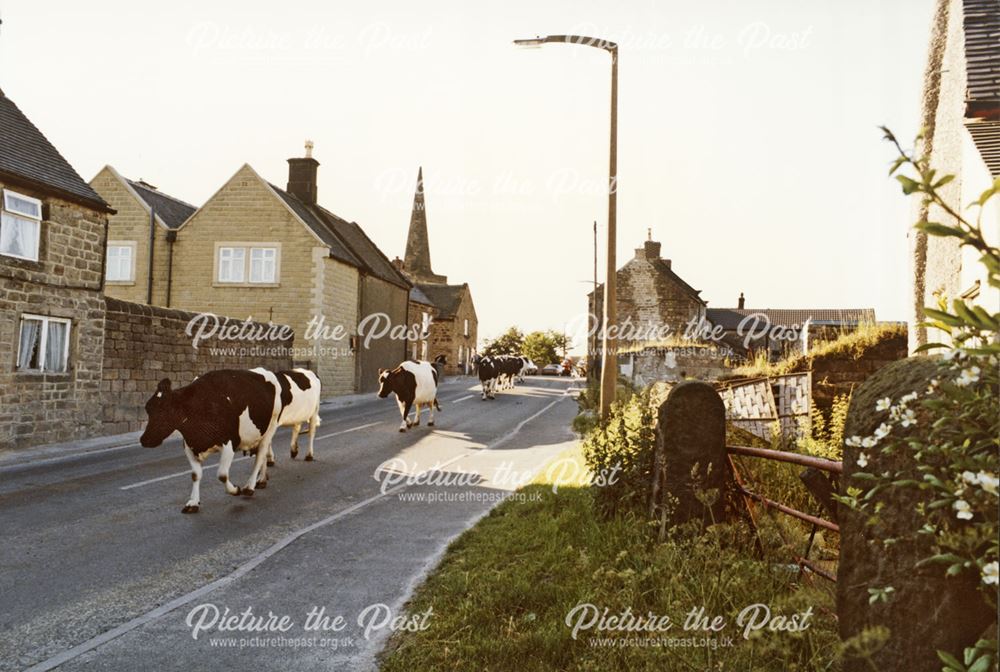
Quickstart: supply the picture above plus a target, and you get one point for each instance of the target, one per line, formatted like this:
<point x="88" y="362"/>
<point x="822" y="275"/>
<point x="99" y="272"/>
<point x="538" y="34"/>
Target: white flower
<point x="953" y="354"/>
<point x="989" y="482"/>
<point x="862" y="460"/>
<point x="869" y="442"/>
<point x="854" y="441"/>
<point x="883" y="404"/>
<point x="968" y="377"/>
<point x="882" y="431"/>
<point x="991" y="573"/>
<point x="907" y="398"/>
<point x="963" y="510"/>
<point x="909" y="418"/>
<point x="970" y="477"/>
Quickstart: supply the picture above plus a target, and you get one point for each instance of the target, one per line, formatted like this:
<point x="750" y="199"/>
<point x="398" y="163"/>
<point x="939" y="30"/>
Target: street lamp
<point x="609" y="364"/>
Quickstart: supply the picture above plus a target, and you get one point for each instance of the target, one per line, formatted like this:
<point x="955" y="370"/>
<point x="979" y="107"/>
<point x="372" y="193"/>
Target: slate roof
<point x="338" y="250"/>
<point x="27" y="155"/>
<point x="729" y="318"/>
<point x="172" y="211"/>
<point x="447" y="298"/>
<point x="418" y="296"/>
<point x="347" y="241"/>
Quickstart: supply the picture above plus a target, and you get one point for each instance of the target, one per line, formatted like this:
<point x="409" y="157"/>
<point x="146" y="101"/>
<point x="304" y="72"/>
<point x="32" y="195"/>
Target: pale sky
<point x="747" y="130"/>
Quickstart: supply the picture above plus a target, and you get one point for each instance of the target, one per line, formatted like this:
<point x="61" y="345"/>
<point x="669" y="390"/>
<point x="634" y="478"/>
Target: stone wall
<point x="379" y="296"/>
<point x="449" y="338"/>
<point x="144" y="344"/>
<point x="674" y="364"/>
<point x="65" y="282"/>
<point x="834" y="376"/>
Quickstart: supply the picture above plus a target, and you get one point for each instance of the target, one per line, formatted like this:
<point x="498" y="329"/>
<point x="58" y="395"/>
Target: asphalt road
<point x="99" y="570"/>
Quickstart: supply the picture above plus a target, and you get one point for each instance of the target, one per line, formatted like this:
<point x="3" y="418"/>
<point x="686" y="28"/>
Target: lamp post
<point x="609" y="361"/>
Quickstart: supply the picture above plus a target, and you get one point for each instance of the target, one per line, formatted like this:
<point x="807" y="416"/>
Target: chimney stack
<point x="302" y="176"/>
<point x="742" y="301"/>
<point x="652" y="250"/>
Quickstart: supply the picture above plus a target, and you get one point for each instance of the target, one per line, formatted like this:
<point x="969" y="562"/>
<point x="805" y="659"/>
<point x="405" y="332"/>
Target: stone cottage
<point x="52" y="238"/>
<point x="961" y="115"/>
<point x="144" y="227"/>
<point x="654" y="303"/>
<point x="454" y="330"/>
<point x="256" y="250"/>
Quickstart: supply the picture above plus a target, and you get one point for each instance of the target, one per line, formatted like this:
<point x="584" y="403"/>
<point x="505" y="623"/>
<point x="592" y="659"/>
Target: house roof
<point x="338" y="250"/>
<point x="417" y="296"/>
<point x="663" y="267"/>
<point x="363" y="248"/>
<point x="28" y="156"/>
<point x="446" y="298"/>
<point x="730" y="318"/>
<point x="172" y="211"/>
<point x="347" y="241"/>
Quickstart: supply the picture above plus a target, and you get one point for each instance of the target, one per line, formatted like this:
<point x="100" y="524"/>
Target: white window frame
<point x="263" y="261"/>
<point x="7" y="213"/>
<point x="43" y="342"/>
<point x="131" y="245"/>
<point x="466" y="327"/>
<point x="248" y="251"/>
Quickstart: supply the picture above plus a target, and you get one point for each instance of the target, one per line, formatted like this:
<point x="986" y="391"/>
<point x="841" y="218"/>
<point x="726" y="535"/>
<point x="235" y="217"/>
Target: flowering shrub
<point x="950" y="431"/>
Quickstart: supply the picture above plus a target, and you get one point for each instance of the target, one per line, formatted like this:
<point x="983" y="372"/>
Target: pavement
<point x="99" y="570"/>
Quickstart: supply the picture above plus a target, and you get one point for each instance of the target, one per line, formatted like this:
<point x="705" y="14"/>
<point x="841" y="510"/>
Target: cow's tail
<point x="437" y="406"/>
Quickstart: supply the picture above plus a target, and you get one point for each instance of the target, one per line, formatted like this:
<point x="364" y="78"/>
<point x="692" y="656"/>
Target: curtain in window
<point x="30" y="332"/>
<point x="55" y="347"/>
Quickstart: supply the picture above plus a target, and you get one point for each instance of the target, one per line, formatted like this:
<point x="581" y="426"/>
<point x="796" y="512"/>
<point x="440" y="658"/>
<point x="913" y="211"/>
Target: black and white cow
<point x="415" y="384"/>
<point x="508" y="368"/>
<point x="221" y="411"/>
<point x="300" y="393"/>
<point x="487" y="370"/>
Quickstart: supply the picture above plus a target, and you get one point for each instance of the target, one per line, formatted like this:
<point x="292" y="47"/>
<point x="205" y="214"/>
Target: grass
<point x="849" y="345"/>
<point x="501" y="594"/>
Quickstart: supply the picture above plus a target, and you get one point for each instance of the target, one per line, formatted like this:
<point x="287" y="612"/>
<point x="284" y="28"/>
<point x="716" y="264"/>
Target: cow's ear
<point x="164" y="385"/>
<point x="381" y="371"/>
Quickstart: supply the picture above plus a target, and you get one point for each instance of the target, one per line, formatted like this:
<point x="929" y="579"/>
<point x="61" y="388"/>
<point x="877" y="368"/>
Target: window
<point x="120" y="266"/>
<point x="43" y="344"/>
<point x="253" y="265"/>
<point x="263" y="264"/>
<point x="20" y="225"/>
<point x="466" y="327"/>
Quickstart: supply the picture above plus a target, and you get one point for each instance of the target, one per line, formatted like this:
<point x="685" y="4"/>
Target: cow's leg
<point x="260" y="465"/>
<point x="485" y="385"/>
<point x="295" y="439"/>
<point x="195" y="501"/>
<point x="225" y="462"/>
<point x="416" y="415"/>
<point x="270" y="456"/>
<point x="403" y="410"/>
<point x="313" y="424"/>
<point x="430" y="413"/>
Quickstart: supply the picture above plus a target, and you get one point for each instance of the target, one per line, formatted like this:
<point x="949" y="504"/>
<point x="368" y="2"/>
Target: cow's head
<point x="387" y="382"/>
<point x="163" y="416"/>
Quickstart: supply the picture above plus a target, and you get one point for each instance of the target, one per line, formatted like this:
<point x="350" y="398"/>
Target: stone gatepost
<point x="690" y="457"/>
<point x="927" y="611"/>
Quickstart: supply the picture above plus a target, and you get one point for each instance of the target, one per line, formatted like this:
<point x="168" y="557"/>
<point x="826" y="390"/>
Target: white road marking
<point x="238" y="459"/>
<point x="247" y="567"/>
<point x="470" y="396"/>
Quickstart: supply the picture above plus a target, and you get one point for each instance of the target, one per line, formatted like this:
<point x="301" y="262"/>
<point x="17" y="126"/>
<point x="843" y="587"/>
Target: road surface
<point x="99" y="570"/>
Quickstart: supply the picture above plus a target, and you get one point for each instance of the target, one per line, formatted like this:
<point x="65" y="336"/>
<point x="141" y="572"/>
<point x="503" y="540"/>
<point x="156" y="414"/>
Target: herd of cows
<point x="240" y="410"/>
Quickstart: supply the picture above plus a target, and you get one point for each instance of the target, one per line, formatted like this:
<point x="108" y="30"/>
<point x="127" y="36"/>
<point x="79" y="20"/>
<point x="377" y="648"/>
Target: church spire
<point x="417" y="261"/>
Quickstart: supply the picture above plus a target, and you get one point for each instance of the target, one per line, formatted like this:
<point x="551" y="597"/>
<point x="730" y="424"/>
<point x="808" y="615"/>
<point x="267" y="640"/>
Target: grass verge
<point x="501" y="594"/>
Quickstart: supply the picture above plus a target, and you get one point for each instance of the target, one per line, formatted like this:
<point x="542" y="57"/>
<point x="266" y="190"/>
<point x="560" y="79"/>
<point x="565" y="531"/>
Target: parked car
<point x="552" y="370"/>
<point x="531" y="369"/>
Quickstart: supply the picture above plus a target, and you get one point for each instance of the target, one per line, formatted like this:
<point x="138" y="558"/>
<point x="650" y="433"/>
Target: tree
<point x="510" y="342"/>
<point x="546" y="347"/>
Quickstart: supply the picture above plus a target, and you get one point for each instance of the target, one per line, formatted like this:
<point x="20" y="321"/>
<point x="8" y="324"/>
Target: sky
<point x="748" y="139"/>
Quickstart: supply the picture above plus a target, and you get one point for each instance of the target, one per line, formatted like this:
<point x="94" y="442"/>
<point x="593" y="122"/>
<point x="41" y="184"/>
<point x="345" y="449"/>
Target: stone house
<point x="454" y="329"/>
<point x="256" y="250"/>
<point x="961" y="115"/>
<point x="421" y="313"/>
<point x="52" y="238"/>
<point x="654" y="303"/>
<point x="143" y="227"/>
